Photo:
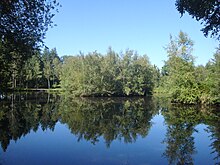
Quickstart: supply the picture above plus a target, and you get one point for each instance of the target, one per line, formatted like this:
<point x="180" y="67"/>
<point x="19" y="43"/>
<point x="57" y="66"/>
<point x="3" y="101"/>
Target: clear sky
<point x="141" y="25"/>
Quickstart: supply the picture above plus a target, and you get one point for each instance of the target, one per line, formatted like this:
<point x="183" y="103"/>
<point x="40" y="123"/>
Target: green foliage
<point x="108" y="75"/>
<point x="178" y="79"/>
<point x="41" y="70"/>
<point x="212" y="81"/>
<point x="185" y="83"/>
<point x="206" y="11"/>
<point x="32" y="70"/>
<point x="23" y="25"/>
<point x="51" y="66"/>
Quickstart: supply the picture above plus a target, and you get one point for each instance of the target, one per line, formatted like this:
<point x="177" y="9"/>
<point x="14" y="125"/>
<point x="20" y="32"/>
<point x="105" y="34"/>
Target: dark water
<point x="43" y="129"/>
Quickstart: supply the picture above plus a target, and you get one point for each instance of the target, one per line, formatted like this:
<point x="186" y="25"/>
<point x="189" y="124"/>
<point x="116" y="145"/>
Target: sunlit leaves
<point x="112" y="74"/>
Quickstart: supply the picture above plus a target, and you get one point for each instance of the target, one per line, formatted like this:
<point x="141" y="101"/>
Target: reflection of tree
<point x="111" y="118"/>
<point x="214" y="129"/>
<point x="19" y="116"/>
<point x="180" y="144"/>
<point x="89" y="119"/>
<point x="180" y="127"/>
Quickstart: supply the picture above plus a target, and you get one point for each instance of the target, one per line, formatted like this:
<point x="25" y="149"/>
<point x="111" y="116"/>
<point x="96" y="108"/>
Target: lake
<point x="44" y="129"/>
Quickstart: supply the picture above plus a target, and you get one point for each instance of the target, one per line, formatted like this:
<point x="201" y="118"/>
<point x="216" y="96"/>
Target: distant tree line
<point x="130" y="74"/>
<point x="112" y="74"/>
<point x="42" y="70"/>
<point x="39" y="71"/>
<point x="124" y="74"/>
<point x="23" y="25"/>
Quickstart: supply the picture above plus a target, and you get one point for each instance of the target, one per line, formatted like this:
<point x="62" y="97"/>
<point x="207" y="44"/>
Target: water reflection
<point x="24" y="112"/>
<point x="117" y="119"/>
<point x="214" y="129"/>
<point x="89" y="119"/>
<point x="181" y="122"/>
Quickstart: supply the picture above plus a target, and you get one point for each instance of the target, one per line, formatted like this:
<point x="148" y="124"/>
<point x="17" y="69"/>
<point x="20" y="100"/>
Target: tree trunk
<point x="48" y="83"/>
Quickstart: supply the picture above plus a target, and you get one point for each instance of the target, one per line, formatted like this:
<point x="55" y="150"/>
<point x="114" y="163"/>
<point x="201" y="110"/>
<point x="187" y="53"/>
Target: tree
<point x="95" y="74"/>
<point x="206" y="11"/>
<point x="47" y="69"/>
<point x="51" y="65"/>
<point x="32" y="70"/>
<point x="179" y="77"/>
<point x="55" y="66"/>
<point x="23" y="25"/>
<point x="110" y="83"/>
<point x="212" y="81"/>
<point x="183" y="81"/>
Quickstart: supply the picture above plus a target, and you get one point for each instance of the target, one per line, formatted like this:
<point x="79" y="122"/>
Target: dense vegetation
<point x="23" y="25"/>
<point x="113" y="74"/>
<point x="42" y="70"/>
<point x="39" y="71"/>
<point x="125" y="74"/>
<point x="183" y="81"/>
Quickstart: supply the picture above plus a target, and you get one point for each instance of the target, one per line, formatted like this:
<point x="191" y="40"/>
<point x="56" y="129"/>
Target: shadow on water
<point x="123" y="119"/>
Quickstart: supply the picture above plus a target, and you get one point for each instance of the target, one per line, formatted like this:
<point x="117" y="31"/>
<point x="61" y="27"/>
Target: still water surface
<point x="43" y="129"/>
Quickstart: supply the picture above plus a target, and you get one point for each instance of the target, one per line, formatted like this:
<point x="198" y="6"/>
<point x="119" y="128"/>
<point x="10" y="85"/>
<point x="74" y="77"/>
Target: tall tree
<point x="33" y="71"/>
<point x="179" y="76"/>
<point x="205" y="11"/>
<point x="23" y="25"/>
<point x="51" y="65"/>
<point x="212" y="81"/>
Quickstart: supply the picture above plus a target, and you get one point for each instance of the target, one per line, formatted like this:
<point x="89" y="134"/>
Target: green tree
<point x="205" y="11"/>
<point x="47" y="68"/>
<point x="51" y="66"/>
<point x="23" y="25"/>
<point x="95" y="74"/>
<point x="179" y="79"/>
<point x="212" y="81"/>
<point x="57" y="65"/>
<point x="72" y="74"/>
<point x="32" y="70"/>
<point x="136" y="75"/>
<point x="110" y="82"/>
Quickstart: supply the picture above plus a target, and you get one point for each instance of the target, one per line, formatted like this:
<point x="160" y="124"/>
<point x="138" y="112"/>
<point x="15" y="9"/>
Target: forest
<point x="25" y="66"/>
<point x="122" y="74"/>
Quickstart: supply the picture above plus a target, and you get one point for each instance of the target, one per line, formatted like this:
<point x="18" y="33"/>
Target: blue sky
<point x="141" y="25"/>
